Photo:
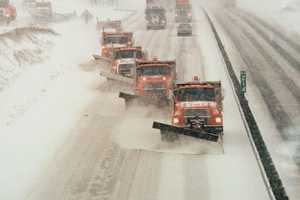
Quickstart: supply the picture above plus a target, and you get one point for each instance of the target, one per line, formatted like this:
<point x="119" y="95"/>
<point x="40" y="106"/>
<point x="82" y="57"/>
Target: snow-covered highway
<point x="74" y="139"/>
<point x="93" y="165"/>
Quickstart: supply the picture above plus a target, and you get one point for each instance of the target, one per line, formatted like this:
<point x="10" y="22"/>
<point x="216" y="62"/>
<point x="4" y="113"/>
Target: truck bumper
<point x="117" y="78"/>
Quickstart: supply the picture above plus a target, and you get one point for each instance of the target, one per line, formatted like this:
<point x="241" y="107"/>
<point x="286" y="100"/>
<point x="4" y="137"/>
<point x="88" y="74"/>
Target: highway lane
<point x="93" y="164"/>
<point x="274" y="100"/>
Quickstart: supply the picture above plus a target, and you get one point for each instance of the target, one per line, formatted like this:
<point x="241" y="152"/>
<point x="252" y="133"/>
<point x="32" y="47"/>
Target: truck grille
<point x="155" y="89"/>
<point x="125" y="69"/>
<point x="154" y="86"/>
<point x="190" y="114"/>
<point x="156" y="93"/>
<point x="196" y="112"/>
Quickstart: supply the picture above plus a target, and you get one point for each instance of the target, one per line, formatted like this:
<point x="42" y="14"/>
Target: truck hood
<point x="197" y="104"/>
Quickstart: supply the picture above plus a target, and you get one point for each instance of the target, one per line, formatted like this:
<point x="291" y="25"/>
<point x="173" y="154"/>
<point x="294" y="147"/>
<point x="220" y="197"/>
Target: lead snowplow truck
<point x="197" y="112"/>
<point x="124" y="64"/>
<point x="154" y="82"/>
<point x="8" y="12"/>
<point x="112" y="40"/>
<point x="155" y="17"/>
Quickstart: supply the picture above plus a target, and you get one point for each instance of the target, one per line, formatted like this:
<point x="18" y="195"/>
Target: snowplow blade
<point x="117" y="78"/>
<point x="97" y="61"/>
<point x="201" y="134"/>
<point x="127" y="96"/>
<point x="143" y="100"/>
<point x="101" y="58"/>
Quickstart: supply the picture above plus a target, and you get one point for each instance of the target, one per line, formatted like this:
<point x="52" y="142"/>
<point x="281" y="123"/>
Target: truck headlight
<point x="175" y="120"/>
<point x="218" y="119"/>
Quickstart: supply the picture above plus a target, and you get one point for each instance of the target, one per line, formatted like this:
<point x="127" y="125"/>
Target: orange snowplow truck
<point x="115" y="39"/>
<point x="154" y="82"/>
<point x="8" y="12"/>
<point x="197" y="112"/>
<point x="125" y="58"/>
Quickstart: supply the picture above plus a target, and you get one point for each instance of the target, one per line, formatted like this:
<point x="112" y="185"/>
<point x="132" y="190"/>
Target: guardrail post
<point x="243" y="83"/>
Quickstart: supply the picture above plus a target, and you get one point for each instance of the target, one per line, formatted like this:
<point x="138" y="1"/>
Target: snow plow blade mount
<point x="208" y="133"/>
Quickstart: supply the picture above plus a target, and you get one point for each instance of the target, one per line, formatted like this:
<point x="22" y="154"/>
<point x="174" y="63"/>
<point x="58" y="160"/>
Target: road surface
<point x="114" y="154"/>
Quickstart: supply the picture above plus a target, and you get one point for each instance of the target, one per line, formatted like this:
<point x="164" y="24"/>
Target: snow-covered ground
<point x="36" y="118"/>
<point x="134" y="173"/>
<point x="37" y="71"/>
<point x="285" y="13"/>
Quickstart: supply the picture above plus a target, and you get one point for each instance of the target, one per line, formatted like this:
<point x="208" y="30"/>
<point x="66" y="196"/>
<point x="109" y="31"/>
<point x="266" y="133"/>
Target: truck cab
<point x="124" y="60"/>
<point x="155" y="78"/>
<point x="198" y="105"/>
<point x="8" y="12"/>
<point x="111" y="40"/>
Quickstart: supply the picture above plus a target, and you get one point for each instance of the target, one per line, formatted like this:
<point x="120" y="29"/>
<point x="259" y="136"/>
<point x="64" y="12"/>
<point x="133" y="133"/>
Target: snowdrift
<point x="21" y="47"/>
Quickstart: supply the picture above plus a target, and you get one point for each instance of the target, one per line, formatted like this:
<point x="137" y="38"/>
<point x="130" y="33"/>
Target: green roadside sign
<point x="243" y="82"/>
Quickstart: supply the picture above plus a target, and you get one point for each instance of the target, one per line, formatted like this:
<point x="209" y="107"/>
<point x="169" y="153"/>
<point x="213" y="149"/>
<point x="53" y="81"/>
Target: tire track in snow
<point x="272" y="102"/>
<point x="286" y="80"/>
<point x="278" y="31"/>
<point x="287" y="54"/>
<point x="283" y="77"/>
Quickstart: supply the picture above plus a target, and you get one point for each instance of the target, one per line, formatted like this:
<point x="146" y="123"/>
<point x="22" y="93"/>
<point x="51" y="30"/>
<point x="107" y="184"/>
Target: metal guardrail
<point x="274" y="182"/>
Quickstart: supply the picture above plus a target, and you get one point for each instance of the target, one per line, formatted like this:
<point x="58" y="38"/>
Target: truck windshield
<point x="128" y="54"/>
<point x="116" y="40"/>
<point x="195" y="94"/>
<point x="154" y="71"/>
